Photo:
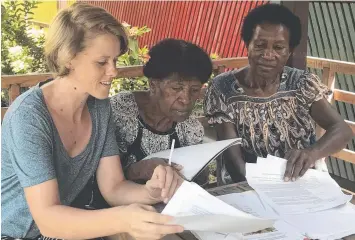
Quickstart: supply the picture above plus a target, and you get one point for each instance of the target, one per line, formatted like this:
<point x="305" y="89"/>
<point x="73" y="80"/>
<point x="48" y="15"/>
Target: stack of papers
<point x="314" y="204"/>
<point x="313" y="192"/>
<point x="313" y="207"/>
<point x="331" y="224"/>
<point x="251" y="203"/>
<point x="197" y="210"/>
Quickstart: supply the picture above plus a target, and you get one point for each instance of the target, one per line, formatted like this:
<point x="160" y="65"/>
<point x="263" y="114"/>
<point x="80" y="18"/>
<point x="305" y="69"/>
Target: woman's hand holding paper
<point x="143" y="222"/>
<point x="164" y="183"/>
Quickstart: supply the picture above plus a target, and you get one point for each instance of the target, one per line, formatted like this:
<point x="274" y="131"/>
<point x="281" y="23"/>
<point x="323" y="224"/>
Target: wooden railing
<point x="39" y="24"/>
<point x="330" y="67"/>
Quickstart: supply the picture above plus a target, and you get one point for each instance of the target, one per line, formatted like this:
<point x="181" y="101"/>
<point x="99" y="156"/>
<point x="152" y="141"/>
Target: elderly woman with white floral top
<point x="148" y="121"/>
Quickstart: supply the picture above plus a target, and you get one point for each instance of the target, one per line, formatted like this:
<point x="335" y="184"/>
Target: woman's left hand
<point x="164" y="183"/>
<point x="298" y="162"/>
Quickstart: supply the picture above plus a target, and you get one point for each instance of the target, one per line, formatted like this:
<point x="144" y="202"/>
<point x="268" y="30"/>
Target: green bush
<point x="21" y="43"/>
<point x="23" y="52"/>
<point x="134" y="56"/>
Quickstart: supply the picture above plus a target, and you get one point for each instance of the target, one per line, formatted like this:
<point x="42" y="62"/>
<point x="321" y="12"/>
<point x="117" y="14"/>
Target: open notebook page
<point x="196" y="157"/>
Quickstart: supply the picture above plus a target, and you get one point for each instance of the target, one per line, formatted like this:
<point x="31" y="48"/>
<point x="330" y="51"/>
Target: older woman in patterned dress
<point x="272" y="106"/>
<point x="147" y="121"/>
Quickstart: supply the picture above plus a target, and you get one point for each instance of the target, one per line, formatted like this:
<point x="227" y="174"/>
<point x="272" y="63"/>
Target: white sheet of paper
<point x="197" y="210"/>
<point x="315" y="191"/>
<point x="250" y="202"/>
<point x="334" y="223"/>
<point x="209" y="235"/>
<point x="283" y="231"/>
<point x="194" y="158"/>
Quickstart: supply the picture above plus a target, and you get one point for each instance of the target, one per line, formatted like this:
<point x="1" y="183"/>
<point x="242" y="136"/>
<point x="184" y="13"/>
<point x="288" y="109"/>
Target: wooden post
<point x="298" y="58"/>
<point x="218" y="70"/>
<point x="328" y="79"/>
<point x="61" y="4"/>
<point x="14" y="92"/>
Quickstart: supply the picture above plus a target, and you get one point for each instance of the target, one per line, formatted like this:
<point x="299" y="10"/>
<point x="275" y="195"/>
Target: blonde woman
<point x="58" y="139"/>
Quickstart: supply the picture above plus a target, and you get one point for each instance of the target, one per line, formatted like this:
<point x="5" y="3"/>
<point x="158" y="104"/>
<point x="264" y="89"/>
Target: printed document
<point x="251" y="203"/>
<point x="330" y="224"/>
<point x="197" y="210"/>
<point x="315" y="191"/>
<point x="196" y="157"/>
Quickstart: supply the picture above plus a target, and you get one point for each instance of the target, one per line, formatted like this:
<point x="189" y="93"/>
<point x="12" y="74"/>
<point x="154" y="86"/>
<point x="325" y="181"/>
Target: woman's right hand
<point x="143" y="222"/>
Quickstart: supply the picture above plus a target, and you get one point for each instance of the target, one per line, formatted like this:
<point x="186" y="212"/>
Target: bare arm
<point x="119" y="191"/>
<point x="337" y="135"/>
<point x="58" y="221"/>
<point x="115" y="188"/>
<point x="233" y="157"/>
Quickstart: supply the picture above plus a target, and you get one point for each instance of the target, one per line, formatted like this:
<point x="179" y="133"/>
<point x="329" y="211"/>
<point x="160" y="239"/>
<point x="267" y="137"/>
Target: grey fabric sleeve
<point x="110" y="145"/>
<point x="30" y="147"/>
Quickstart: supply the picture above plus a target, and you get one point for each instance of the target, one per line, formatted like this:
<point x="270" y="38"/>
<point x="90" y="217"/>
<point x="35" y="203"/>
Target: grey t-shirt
<point x="32" y="153"/>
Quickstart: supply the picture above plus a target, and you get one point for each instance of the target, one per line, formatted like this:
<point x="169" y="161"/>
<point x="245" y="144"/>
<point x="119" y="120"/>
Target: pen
<point x="171" y="151"/>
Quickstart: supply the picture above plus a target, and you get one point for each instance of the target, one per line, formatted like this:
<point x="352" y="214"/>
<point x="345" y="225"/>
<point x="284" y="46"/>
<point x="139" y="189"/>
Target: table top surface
<point x="226" y="189"/>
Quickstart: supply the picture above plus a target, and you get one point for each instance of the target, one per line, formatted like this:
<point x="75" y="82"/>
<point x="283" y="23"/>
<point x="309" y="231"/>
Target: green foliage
<point x="134" y="56"/>
<point x="198" y="108"/>
<point x="22" y="48"/>
<point x="138" y="56"/>
<point x="21" y="43"/>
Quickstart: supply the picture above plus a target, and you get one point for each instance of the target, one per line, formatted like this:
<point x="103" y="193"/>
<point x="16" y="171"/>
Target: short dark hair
<point x="274" y="14"/>
<point x="175" y="56"/>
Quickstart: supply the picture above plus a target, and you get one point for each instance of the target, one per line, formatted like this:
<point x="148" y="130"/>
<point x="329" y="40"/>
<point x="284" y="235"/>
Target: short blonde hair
<point x="71" y="28"/>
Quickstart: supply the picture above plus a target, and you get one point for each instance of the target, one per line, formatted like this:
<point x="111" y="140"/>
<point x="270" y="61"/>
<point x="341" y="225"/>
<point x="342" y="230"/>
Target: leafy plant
<point x="134" y="56"/>
<point x="21" y="43"/>
<point x="198" y="108"/>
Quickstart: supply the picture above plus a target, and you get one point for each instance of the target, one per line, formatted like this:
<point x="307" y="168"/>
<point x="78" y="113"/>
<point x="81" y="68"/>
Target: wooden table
<point x="232" y="188"/>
